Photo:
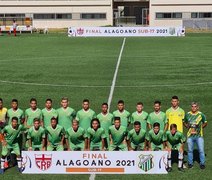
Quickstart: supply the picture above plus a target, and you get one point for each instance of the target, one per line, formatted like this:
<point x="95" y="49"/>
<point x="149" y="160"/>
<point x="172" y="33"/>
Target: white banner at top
<point x="124" y="31"/>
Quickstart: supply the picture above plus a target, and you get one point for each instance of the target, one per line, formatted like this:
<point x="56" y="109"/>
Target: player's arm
<point x="43" y="144"/>
<point x="67" y="144"/>
<point x="30" y="144"/>
<point x="88" y="144"/>
<point x="145" y="145"/>
<point x="129" y="142"/>
<point x="103" y="144"/>
<point x="166" y="127"/>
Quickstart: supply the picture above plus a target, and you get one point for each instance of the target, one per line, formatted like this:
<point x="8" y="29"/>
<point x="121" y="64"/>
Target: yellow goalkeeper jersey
<point x="3" y="113"/>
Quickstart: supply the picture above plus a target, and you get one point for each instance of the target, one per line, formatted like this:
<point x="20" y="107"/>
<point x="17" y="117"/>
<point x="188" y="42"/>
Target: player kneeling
<point x="96" y="136"/>
<point x="55" y="136"/>
<point x="117" y="135"/>
<point x="156" y="138"/>
<point x="76" y="137"/>
<point x="36" y="137"/>
<point x="136" y="138"/>
<point x="10" y="142"/>
<point x="175" y="141"/>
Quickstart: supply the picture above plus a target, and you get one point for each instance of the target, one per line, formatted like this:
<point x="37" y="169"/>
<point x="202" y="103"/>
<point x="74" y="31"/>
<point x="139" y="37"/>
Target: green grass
<point x="150" y="69"/>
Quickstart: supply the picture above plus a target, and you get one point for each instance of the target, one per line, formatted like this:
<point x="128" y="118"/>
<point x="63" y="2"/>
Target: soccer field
<point x="53" y="66"/>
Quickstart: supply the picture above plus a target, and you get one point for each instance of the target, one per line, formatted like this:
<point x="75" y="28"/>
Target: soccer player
<point x="156" y="138"/>
<point x="140" y="115"/>
<point x="175" y="114"/>
<point x="175" y="142"/>
<point x="157" y="116"/>
<point x="122" y="113"/>
<point x="66" y="114"/>
<point x="118" y="134"/>
<point x="55" y="136"/>
<point x="3" y="114"/>
<point x="36" y="137"/>
<point x="10" y="142"/>
<point x="106" y="120"/>
<point x="195" y="121"/>
<point x="15" y="111"/>
<point x="47" y="113"/>
<point x="136" y="138"/>
<point x="32" y="113"/>
<point x="76" y="137"/>
<point x="85" y="115"/>
<point x="96" y="136"/>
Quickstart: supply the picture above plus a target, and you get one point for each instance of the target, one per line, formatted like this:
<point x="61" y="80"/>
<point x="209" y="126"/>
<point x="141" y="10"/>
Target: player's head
<point x="33" y="103"/>
<point x="175" y="101"/>
<point x="157" y="106"/>
<point x="139" y="106"/>
<point x="14" y="122"/>
<point x="14" y="103"/>
<point x="137" y="126"/>
<point x="173" y="128"/>
<point x="36" y="122"/>
<point x="156" y="127"/>
<point x="85" y="104"/>
<point x="64" y="102"/>
<point x="104" y="107"/>
<point x="48" y="103"/>
<point x="53" y="122"/>
<point x="1" y="103"/>
<point x="75" y="124"/>
<point x="194" y="107"/>
<point x="95" y="124"/>
<point x="117" y="122"/>
<point x="120" y="105"/>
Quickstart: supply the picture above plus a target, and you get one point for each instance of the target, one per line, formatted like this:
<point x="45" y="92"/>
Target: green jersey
<point x="47" y="115"/>
<point x="159" y="118"/>
<point x="156" y="139"/>
<point x="12" y="135"/>
<point x="36" y="136"/>
<point x="85" y="117"/>
<point x="30" y="115"/>
<point x="195" y="122"/>
<point x="18" y="113"/>
<point x="140" y="117"/>
<point x="105" y="121"/>
<point x="136" y="138"/>
<point x="118" y="135"/>
<point x="55" y="135"/>
<point x="125" y="117"/>
<point x="96" y="136"/>
<point x="175" y="139"/>
<point x="76" y="137"/>
<point x="65" y="117"/>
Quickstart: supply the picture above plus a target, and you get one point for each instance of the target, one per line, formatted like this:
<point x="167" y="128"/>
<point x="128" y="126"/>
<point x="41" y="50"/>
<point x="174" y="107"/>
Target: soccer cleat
<point x="1" y="171"/>
<point x="20" y="170"/>
<point x="169" y="169"/>
<point x="190" y="166"/>
<point x="202" y="166"/>
<point x="181" y="169"/>
<point x="184" y="166"/>
<point x="6" y="164"/>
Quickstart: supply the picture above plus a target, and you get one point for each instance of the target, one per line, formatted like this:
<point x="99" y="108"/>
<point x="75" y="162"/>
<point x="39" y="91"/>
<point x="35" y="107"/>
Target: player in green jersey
<point x="156" y="138"/>
<point x="96" y="136"/>
<point x="66" y="114"/>
<point x="195" y="121"/>
<point x="10" y="142"/>
<point x="76" y="137"/>
<point x="122" y="113"/>
<point x="106" y="120"/>
<point x="85" y="115"/>
<point x="15" y="111"/>
<point x="47" y="113"/>
<point x="158" y="116"/>
<point x="140" y="115"/>
<point x="175" y="142"/>
<point x="136" y="138"/>
<point x="36" y="137"/>
<point x="118" y="134"/>
<point x="32" y="113"/>
<point x="55" y="136"/>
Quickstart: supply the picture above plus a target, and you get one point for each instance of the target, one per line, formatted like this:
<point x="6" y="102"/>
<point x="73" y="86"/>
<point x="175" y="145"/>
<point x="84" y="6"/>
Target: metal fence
<point x="198" y="24"/>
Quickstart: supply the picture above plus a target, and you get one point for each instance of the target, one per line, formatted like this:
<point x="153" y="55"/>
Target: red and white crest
<point x="43" y="161"/>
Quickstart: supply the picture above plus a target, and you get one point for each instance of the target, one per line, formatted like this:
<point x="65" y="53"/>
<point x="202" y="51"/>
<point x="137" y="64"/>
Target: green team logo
<point x="145" y="162"/>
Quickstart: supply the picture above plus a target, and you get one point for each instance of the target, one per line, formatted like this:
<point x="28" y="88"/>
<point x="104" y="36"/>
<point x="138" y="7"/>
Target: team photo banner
<point x="96" y="162"/>
<point x="124" y="31"/>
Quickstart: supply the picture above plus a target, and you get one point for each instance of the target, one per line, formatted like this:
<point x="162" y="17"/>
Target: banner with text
<point x="124" y="31"/>
<point x="96" y="162"/>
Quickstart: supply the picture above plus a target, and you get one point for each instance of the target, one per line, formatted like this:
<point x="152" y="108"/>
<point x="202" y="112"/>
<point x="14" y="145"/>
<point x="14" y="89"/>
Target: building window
<point x="44" y="16"/>
<point x="177" y="15"/>
<point x="169" y="15"/>
<point x="93" y="16"/>
<point x="15" y="15"/>
<point x="63" y="16"/>
<point x="205" y="15"/>
<point x="194" y="15"/>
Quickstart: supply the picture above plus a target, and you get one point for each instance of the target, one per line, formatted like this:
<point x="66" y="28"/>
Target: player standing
<point x="122" y="113"/>
<point x="3" y="114"/>
<point x="14" y="27"/>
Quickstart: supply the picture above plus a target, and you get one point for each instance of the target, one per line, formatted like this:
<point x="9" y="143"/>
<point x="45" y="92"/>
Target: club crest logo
<point x="80" y="31"/>
<point x="146" y="162"/>
<point x="43" y="161"/>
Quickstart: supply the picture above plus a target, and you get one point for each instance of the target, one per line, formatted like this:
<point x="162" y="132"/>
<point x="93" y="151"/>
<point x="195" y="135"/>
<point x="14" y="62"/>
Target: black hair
<point x="175" y="97"/>
<point x="97" y="120"/>
<point x="49" y="100"/>
<point x="156" y="124"/>
<point x="140" y="103"/>
<point x="33" y="99"/>
<point x="173" y="126"/>
<point x="157" y="102"/>
<point x="120" y="102"/>
<point x="137" y="123"/>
